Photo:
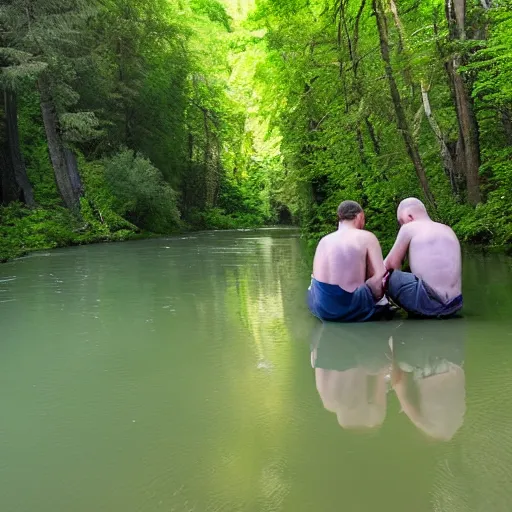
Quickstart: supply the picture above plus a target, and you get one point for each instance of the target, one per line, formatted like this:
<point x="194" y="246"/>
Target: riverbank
<point x="24" y="230"/>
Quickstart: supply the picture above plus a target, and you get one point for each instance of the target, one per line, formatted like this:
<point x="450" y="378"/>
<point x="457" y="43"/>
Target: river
<point x="185" y="374"/>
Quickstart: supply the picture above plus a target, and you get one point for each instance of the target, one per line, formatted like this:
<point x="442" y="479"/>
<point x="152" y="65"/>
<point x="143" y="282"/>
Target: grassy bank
<point x="24" y="230"/>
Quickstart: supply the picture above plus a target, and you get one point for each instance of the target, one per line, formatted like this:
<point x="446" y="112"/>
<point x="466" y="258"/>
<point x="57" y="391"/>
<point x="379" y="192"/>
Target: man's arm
<point x="375" y="267"/>
<point x="397" y="254"/>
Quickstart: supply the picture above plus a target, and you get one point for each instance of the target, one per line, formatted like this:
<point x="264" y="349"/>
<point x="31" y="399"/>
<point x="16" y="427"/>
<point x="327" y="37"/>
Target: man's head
<point x="351" y="212"/>
<point x="411" y="209"/>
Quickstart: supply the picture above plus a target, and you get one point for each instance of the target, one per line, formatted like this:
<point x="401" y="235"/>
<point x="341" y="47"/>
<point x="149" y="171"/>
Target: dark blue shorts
<point x="330" y="302"/>
<point x="416" y="297"/>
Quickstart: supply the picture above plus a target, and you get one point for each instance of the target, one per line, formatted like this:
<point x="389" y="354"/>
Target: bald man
<point x="433" y="289"/>
<point x="348" y="270"/>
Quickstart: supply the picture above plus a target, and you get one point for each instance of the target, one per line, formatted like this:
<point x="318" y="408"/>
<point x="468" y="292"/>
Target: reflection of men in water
<point x="428" y="376"/>
<point x="425" y="359"/>
<point x="347" y="270"/>
<point x="434" y="287"/>
<point x="351" y="364"/>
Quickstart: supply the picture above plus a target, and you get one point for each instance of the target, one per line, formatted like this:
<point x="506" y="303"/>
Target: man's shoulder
<point x="429" y="228"/>
<point x="442" y="229"/>
<point x="327" y="240"/>
<point x="328" y="237"/>
<point x="442" y="226"/>
<point x="368" y="236"/>
<point x="448" y="231"/>
<point x="412" y="228"/>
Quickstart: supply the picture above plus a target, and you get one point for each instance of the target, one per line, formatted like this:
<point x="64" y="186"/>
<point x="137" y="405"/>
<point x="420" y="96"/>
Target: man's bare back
<point x="434" y="255"/>
<point x="348" y="258"/>
<point x="341" y="258"/>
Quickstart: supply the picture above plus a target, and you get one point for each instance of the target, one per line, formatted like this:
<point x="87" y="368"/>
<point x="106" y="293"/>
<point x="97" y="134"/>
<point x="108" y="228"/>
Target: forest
<point x="130" y="118"/>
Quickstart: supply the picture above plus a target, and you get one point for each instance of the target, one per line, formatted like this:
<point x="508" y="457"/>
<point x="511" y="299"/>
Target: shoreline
<point x="472" y="248"/>
<point x="134" y="237"/>
<point x="484" y="249"/>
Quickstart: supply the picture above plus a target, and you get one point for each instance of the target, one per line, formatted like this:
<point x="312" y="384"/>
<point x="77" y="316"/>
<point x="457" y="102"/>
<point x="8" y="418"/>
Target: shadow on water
<point x="422" y="362"/>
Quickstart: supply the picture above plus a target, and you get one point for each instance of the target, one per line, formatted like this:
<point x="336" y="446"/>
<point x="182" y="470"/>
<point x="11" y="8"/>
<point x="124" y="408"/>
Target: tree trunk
<point x="448" y="162"/>
<point x="373" y="135"/>
<point x="468" y="146"/>
<point x="207" y="162"/>
<point x="456" y="17"/>
<point x="186" y="197"/>
<point x="211" y="160"/>
<point x="62" y="158"/>
<point x="9" y="190"/>
<point x="398" y="23"/>
<point x="356" y="35"/>
<point x="217" y="169"/>
<point x="402" y="47"/>
<point x="357" y="85"/>
<point x="13" y="141"/>
<point x="403" y="125"/>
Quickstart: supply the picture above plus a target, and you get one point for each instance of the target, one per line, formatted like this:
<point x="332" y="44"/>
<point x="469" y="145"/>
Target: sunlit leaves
<point x="325" y="90"/>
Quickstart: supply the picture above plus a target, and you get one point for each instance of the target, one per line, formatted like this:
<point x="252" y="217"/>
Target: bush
<point x="124" y="185"/>
<point x="97" y="207"/>
<point x="23" y="230"/>
<point x="217" y="218"/>
<point x="139" y="192"/>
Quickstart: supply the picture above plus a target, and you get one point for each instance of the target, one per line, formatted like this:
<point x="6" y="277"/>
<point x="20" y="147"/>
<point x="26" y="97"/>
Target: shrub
<point x="23" y="230"/>
<point x="217" y="218"/>
<point x="140" y="193"/>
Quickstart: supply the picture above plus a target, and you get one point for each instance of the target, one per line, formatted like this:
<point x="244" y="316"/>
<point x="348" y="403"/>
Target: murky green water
<point x="185" y="374"/>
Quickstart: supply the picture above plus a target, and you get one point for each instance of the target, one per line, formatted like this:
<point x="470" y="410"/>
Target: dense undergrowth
<point x="125" y="197"/>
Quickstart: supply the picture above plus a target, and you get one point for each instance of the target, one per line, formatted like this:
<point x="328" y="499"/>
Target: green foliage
<point x="217" y="218"/>
<point x="188" y="114"/>
<point x="140" y="193"/>
<point x="214" y="10"/>
<point x="153" y="76"/>
<point x="325" y="91"/>
<point x="23" y="230"/>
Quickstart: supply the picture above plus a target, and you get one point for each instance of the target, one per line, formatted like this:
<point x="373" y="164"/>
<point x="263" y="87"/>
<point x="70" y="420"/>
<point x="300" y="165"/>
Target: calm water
<point x="185" y="374"/>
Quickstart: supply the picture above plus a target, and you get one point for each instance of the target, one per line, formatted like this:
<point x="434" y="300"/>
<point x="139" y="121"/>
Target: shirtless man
<point x="347" y="270"/>
<point x="433" y="289"/>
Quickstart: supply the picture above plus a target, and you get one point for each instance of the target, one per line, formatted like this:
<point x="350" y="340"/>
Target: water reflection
<point x="352" y="363"/>
<point x="428" y="375"/>
<point x="357" y="365"/>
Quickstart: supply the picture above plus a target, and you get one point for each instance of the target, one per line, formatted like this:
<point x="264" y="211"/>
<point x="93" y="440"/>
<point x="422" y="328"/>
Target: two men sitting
<point x="350" y="277"/>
